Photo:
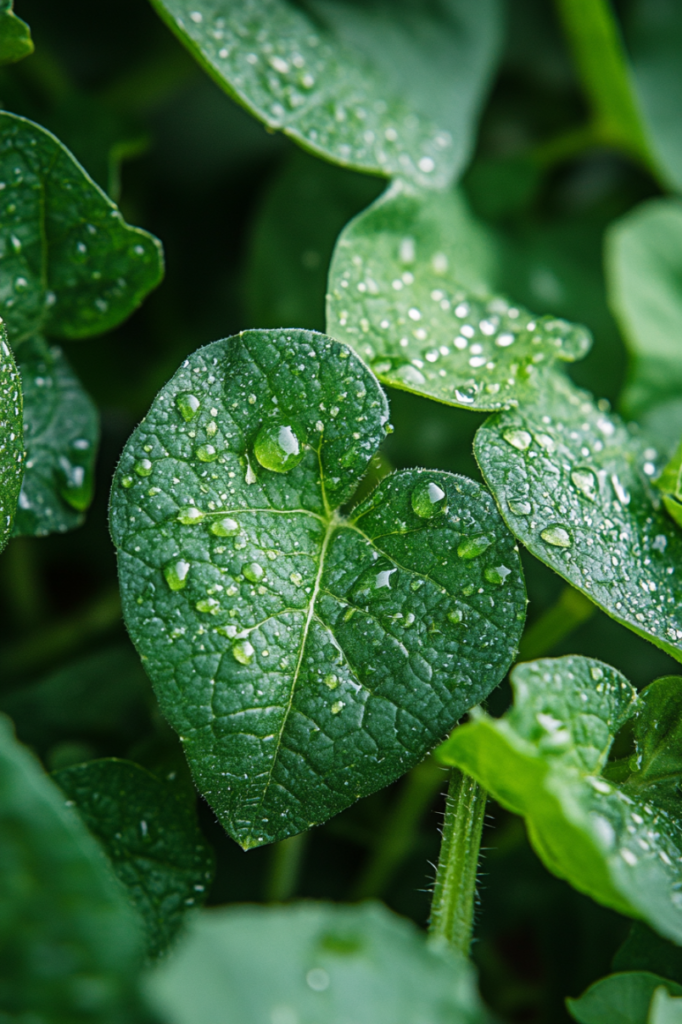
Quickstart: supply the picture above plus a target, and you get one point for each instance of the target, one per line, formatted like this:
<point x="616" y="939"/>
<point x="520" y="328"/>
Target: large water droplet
<point x="586" y="482"/>
<point x="77" y="481"/>
<point x="188" y="405"/>
<point x="409" y="374"/>
<point x="520" y="439"/>
<point x="428" y="499"/>
<point x="190" y="515"/>
<point x="519" y="506"/>
<point x="472" y="547"/>
<point x="243" y="652"/>
<point x="455" y="616"/>
<point x="622" y="492"/>
<point x="497" y="574"/>
<point x="279" y="446"/>
<point x="176" y="573"/>
<point x="206" y="453"/>
<point x="143" y="467"/>
<point x="376" y="582"/>
<point x="558" y="536"/>
<point x="253" y="572"/>
<point x="225" y="527"/>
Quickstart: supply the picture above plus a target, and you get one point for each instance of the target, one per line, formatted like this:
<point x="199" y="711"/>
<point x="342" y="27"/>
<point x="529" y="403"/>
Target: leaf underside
<point x="304" y="658"/>
<point x="11" y="438"/>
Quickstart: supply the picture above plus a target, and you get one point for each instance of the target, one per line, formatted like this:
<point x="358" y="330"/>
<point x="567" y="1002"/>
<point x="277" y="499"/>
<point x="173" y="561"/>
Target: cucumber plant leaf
<point x="311" y="962"/>
<point x="61" y="434"/>
<point x="621" y="999"/>
<point x="151" y="836"/>
<point x="15" y="35"/>
<point x="612" y="830"/>
<point x="12" y="455"/>
<point x="59" y="897"/>
<point x="573" y="483"/>
<point x="305" y="658"/>
<point x="389" y="89"/>
<point x="407" y="290"/>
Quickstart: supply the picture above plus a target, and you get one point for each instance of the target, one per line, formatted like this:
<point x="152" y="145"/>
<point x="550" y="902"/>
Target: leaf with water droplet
<point x="12" y="455"/>
<point x="367" y="598"/>
<point x="390" y="90"/>
<point x="149" y="830"/>
<point x="15" y="35"/>
<point x="613" y="829"/>
<point x="602" y="528"/>
<point x="410" y="289"/>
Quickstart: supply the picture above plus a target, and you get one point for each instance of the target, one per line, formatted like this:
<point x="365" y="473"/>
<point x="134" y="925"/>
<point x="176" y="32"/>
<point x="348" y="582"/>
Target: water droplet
<point x="127" y="481"/>
<point x="76" y="481"/>
<point x="558" y="536"/>
<point x="497" y="574"/>
<point x="296" y="579"/>
<point x="472" y="547"/>
<point x="376" y="582"/>
<point x="143" y="467"/>
<point x="455" y="616"/>
<point x="409" y="374"/>
<point x="188" y="405"/>
<point x="253" y="572"/>
<point x="243" y="652"/>
<point x="336" y="707"/>
<point x="279" y="446"/>
<point x="225" y="527"/>
<point x="428" y="499"/>
<point x="520" y="439"/>
<point x="519" y="506"/>
<point x="206" y="453"/>
<point x="190" y="515"/>
<point x="585" y="481"/>
<point x="331" y="681"/>
<point x="622" y="493"/>
<point x="597" y="673"/>
<point x="176" y="574"/>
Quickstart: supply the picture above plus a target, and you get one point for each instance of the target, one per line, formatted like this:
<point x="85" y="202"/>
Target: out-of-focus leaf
<point x="393" y="89"/>
<point x="151" y="836"/>
<point x="12" y="455"/>
<point x="15" y="35"/>
<point x="644" y="950"/>
<point x="312" y="962"/>
<point x="665" y="1008"/>
<point x="620" y="999"/>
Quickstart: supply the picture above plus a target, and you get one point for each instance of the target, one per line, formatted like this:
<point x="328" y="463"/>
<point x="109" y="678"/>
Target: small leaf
<point x="12" y="456"/>
<point x="311" y="962"/>
<point x="151" y="836"/>
<point x="644" y="950"/>
<point x="15" y="35"/>
<point x="61" y="434"/>
<point x="620" y="999"/>
<point x="71" y="266"/>
<point x="390" y="90"/>
<point x="665" y="1008"/>
<point x="546" y="760"/>
<point x="669" y="484"/>
<point x="61" y="906"/>
<point x="574" y="485"/>
<point x="408" y="291"/>
<point x="304" y="658"/>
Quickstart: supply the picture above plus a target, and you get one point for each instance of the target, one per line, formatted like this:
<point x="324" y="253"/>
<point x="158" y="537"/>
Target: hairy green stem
<point x="452" y="907"/>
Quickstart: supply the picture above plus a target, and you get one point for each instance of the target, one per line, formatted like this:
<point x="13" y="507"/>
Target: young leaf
<point x="574" y="485"/>
<point x="408" y="291"/>
<point x="669" y="484"/>
<point x="312" y="962"/>
<point x="151" y="836"/>
<point x="393" y="90"/>
<point x="71" y="266"/>
<point x="70" y="944"/>
<point x="61" y="433"/>
<point x="15" y="35"/>
<point x="305" y="658"/>
<point x="620" y="843"/>
<point x="620" y="999"/>
<point x="12" y="454"/>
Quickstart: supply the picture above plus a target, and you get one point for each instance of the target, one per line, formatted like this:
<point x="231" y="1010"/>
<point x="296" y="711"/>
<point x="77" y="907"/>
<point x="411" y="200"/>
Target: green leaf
<point x="70" y="944"/>
<point x="665" y="1008"/>
<point x="644" y="950"/>
<point x="306" y="659"/>
<point x="71" y="266"/>
<point x="61" y="434"/>
<point x="389" y="89"/>
<point x="312" y="962"/>
<point x="12" y="456"/>
<point x="669" y="484"/>
<point x="408" y="291"/>
<point x="621" y="843"/>
<point x="15" y="35"/>
<point x="574" y="485"/>
<point x="620" y="999"/>
<point x="151" y="836"/>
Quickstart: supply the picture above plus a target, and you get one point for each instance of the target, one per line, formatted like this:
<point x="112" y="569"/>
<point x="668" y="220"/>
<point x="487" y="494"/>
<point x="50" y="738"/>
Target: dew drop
<point x="558" y="536"/>
<point x="337" y="706"/>
<point x="225" y="527"/>
<point x="428" y="499"/>
<point x="243" y="652"/>
<point x="497" y="574"/>
<point x="176" y="574"/>
<point x="296" y="579"/>
<point x="206" y="453"/>
<point x="472" y="547"/>
<point x="279" y="446"/>
<point x="520" y="439"/>
<point x="409" y="374"/>
<point x="143" y="467"/>
<point x="127" y="482"/>
<point x="253" y="572"/>
<point x="190" y="515"/>
<point x="455" y="616"/>
<point x="331" y="681"/>
<point x="597" y="673"/>
<point x="519" y="506"/>
<point x="188" y="405"/>
<point x="585" y="481"/>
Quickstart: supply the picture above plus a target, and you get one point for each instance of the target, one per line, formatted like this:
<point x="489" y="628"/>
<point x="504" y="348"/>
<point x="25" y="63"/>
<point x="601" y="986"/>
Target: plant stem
<point x="452" y="907"/>
<point x="558" y="622"/>
<point x="285" y="865"/>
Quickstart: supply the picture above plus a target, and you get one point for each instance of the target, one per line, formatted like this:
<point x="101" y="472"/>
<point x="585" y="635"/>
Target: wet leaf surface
<point x="12" y="455"/>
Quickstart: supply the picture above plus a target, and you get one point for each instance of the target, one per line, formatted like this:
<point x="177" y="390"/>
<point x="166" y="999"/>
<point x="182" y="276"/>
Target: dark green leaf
<point x="309" y="963"/>
<point x="620" y="999"/>
<point x="574" y="485"/>
<point x="390" y="89"/>
<point x="12" y="456"/>
<point x="69" y="943"/>
<point x="151" y="836"/>
<point x="408" y="290"/>
<point x="644" y="950"/>
<point x="71" y="266"/>
<point x="305" y="659"/>
<point x="61" y="433"/>
<point x="619" y="843"/>
<point x="15" y="35"/>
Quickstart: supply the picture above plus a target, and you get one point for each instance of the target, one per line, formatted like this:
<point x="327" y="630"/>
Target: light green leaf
<point x="61" y="434"/>
<point x="71" y="266"/>
<point x="15" y="35"/>
<point x="665" y="1008"/>
<point x="574" y="485"/>
<point x="619" y="842"/>
<point x="620" y="999"/>
<point x="12" y="455"/>
<point x="151" y="836"/>
<point x="70" y="945"/>
<point x="408" y="290"/>
<point x="669" y="484"/>
<point x="389" y="89"/>
<point x="305" y="658"/>
<point x="312" y="962"/>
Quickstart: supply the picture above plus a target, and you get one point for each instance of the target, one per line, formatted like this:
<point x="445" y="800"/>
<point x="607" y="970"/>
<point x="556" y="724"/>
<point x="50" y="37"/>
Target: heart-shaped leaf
<point x="11" y="438"/>
<point x="618" y="841"/>
<point x="393" y="90"/>
<point x="61" y="433"/>
<point x="306" y="658"/>
<point x="15" y="35"/>
<point x="151" y="836"/>
<point x="573" y="483"/>
<point x="408" y="290"/>
<point x="621" y="999"/>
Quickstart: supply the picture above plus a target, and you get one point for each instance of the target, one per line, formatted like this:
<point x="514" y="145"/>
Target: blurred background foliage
<point x="248" y="223"/>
